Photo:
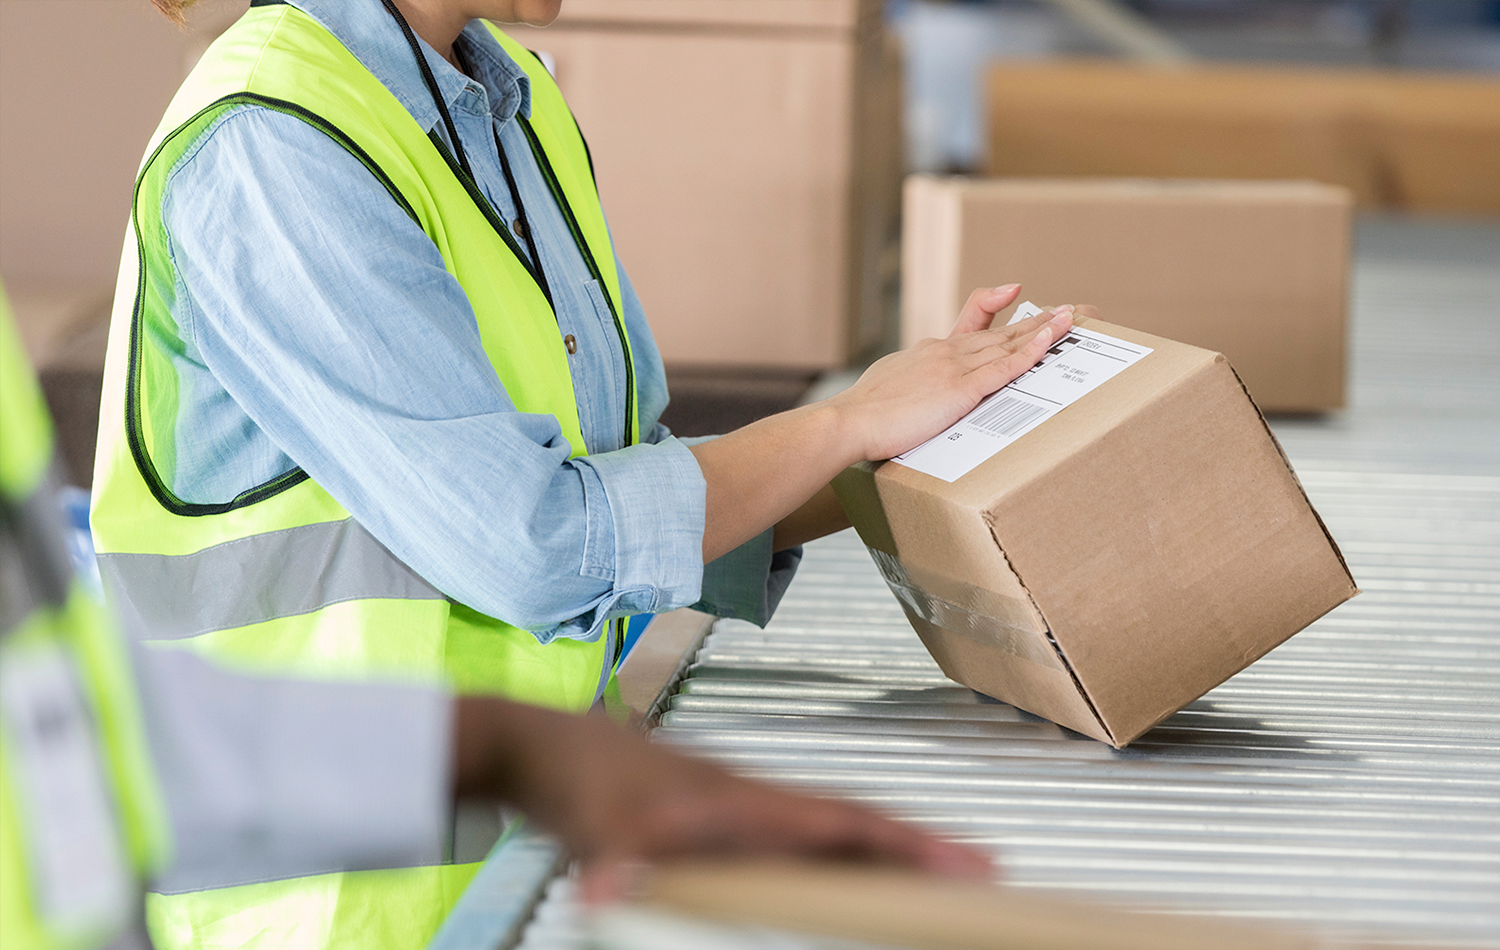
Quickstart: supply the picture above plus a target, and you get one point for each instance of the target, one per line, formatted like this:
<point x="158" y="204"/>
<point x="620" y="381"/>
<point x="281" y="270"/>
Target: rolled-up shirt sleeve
<point x="328" y="317"/>
<point x="748" y="582"/>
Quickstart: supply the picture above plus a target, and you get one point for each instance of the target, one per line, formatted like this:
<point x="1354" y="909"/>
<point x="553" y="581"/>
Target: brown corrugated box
<point x="1405" y="140"/>
<point x="748" y="158"/>
<point x="1258" y="271"/>
<point x="901" y="908"/>
<point x="1116" y="562"/>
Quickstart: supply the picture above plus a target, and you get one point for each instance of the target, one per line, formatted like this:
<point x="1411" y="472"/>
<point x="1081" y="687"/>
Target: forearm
<point x="820" y="517"/>
<point x="615" y="799"/>
<point x="761" y="474"/>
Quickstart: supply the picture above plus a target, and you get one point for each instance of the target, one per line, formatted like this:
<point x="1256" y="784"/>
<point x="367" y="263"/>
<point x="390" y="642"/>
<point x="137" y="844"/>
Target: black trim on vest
<point x="490" y="215"/>
<point x="588" y="256"/>
<point x="465" y="175"/>
<point x="134" y="436"/>
<point x="523" y="217"/>
<point x="587" y="152"/>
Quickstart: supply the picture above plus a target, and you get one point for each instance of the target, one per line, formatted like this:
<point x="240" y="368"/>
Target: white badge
<point x="69" y="821"/>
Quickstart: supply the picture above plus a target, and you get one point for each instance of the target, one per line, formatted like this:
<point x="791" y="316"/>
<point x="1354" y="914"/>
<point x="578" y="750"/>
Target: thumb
<point x="979" y="312"/>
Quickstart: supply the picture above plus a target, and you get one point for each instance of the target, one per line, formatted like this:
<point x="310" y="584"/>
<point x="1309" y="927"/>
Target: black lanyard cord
<point x="463" y="158"/>
<point x="521" y="215"/>
<point x="432" y="87"/>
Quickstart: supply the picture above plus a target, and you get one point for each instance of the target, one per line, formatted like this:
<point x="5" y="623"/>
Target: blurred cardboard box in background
<point x="1418" y="142"/>
<point x="1117" y="561"/>
<point x="748" y="154"/>
<point x="1256" y="270"/>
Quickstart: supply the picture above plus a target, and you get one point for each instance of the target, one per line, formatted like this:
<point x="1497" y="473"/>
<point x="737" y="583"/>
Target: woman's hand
<point x="616" y="801"/>
<point x="761" y="474"/>
<point x="907" y="398"/>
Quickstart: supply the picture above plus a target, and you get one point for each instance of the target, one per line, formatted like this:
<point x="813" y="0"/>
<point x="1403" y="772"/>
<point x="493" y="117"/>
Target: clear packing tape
<point x="962" y="608"/>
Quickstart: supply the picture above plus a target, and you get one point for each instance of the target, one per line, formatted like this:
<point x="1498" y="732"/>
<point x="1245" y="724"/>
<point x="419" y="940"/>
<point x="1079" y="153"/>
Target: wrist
<point x="492" y="743"/>
<point x="842" y="426"/>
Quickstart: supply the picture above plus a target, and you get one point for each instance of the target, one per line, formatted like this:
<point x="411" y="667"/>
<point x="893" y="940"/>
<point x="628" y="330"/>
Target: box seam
<point x="988" y="514"/>
<point x="1047" y="628"/>
<point x="1281" y="453"/>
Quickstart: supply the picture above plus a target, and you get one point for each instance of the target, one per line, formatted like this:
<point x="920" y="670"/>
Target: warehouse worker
<point x="266" y="777"/>
<point x="380" y="400"/>
<point x="80" y="815"/>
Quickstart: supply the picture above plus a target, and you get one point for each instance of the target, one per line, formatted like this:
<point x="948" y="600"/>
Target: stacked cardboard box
<point x="1118" y="559"/>
<point x="1255" y="270"/>
<point x="1413" y="141"/>
<point x="748" y="157"/>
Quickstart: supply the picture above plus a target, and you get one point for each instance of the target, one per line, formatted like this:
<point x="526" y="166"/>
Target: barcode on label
<point x="1006" y="415"/>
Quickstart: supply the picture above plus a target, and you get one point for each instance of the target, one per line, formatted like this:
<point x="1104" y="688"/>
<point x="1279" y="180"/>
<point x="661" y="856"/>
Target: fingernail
<point x="1004" y="288"/>
<point x="1045" y="335"/>
<point x="1065" y="308"/>
<point x="1062" y="317"/>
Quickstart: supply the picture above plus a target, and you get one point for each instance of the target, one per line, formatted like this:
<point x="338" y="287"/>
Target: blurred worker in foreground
<point x="379" y="402"/>
<point x="260" y="778"/>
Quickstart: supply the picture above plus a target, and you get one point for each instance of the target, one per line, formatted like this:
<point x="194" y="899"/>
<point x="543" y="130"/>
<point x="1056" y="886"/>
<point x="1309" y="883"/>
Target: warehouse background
<point x="750" y="152"/>
<point x="755" y="189"/>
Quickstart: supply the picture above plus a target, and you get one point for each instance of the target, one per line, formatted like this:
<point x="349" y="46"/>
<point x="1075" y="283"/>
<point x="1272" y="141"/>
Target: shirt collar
<point x="372" y="35"/>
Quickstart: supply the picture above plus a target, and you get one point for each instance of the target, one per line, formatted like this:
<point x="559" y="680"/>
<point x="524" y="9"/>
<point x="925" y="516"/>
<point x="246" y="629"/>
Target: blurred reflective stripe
<point x="78" y="871"/>
<point x="259" y="578"/>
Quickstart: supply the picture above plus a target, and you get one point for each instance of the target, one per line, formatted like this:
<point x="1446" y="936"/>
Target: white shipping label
<point x="1024" y="310"/>
<point x="80" y="875"/>
<point x="1075" y="365"/>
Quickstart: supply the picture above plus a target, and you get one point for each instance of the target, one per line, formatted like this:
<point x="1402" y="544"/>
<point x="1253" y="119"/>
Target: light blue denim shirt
<point x="321" y="330"/>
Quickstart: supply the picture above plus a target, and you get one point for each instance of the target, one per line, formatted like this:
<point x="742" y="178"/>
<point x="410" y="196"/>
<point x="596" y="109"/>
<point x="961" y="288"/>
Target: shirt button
<point x="571" y="343"/>
<point x="519" y="226"/>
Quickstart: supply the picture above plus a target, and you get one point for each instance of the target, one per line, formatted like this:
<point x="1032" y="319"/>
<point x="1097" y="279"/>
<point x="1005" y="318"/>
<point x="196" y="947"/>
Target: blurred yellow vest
<point x="80" y="816"/>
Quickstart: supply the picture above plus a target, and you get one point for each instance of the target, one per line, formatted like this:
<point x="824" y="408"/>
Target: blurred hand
<point x="908" y="397"/>
<point x="617" y="801"/>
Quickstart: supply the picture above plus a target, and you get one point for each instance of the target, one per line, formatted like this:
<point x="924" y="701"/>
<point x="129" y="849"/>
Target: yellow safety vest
<point x="80" y="816"/>
<point x="282" y="578"/>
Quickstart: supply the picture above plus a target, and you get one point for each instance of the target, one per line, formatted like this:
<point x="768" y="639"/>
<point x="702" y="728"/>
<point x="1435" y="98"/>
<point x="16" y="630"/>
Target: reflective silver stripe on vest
<point x="35" y="570"/>
<point x="252" y="580"/>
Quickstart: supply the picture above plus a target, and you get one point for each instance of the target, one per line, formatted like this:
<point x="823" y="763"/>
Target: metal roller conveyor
<point x="1346" y="784"/>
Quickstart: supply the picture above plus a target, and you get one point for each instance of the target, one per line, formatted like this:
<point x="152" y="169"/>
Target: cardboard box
<point x="1258" y="271"/>
<point x="1427" y="142"/>
<point x="810" y="14"/>
<point x="1117" y="561"/>
<point x="748" y="158"/>
<point x="896" y="907"/>
<point x="1436" y="142"/>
